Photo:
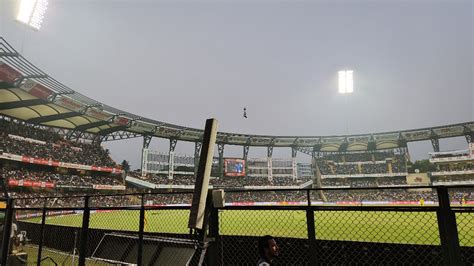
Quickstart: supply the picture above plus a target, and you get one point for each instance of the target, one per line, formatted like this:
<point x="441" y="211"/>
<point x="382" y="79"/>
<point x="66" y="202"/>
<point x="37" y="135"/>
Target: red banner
<point x="37" y="89"/>
<point x="40" y="161"/>
<point x="121" y="121"/>
<point x="29" y="183"/>
<point x="97" y="114"/>
<point x="50" y="162"/>
<point x="8" y="74"/>
<point x="69" y="104"/>
<point x="12" y="182"/>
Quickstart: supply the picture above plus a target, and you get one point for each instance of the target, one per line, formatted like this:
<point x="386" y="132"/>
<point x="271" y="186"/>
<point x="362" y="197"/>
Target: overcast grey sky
<point x="185" y="61"/>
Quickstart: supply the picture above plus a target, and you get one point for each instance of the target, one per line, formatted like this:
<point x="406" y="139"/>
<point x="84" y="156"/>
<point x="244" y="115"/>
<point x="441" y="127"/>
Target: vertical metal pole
<point x="311" y="231"/>
<point x="74" y="248"/>
<point x="6" y="231"/>
<point x="214" y="247"/>
<point x="141" y="226"/>
<point x="40" y="245"/>
<point x="197" y="152"/>
<point x="84" y="232"/>
<point x="448" y="231"/>
<point x="220" y="149"/>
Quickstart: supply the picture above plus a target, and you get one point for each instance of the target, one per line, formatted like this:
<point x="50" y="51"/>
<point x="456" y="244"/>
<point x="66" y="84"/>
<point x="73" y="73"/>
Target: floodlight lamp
<point x="31" y="12"/>
<point x="346" y="81"/>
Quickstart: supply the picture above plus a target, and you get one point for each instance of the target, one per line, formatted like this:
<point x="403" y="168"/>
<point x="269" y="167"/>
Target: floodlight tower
<point x="346" y="86"/>
<point x="31" y="12"/>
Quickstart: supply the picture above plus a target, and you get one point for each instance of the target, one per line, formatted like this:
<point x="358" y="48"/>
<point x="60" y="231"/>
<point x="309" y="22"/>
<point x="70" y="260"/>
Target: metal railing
<point x="140" y="228"/>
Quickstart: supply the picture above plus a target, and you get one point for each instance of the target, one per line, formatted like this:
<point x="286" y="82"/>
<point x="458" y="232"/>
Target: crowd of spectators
<point x="227" y="181"/>
<point x="450" y="154"/>
<point x="58" y="200"/>
<point x="451" y="179"/>
<point x="347" y="169"/>
<point x="163" y="199"/>
<point x="46" y="144"/>
<point x="329" y="168"/>
<point x="363" y="183"/>
<point x="456" y="167"/>
<point x="334" y="182"/>
<point x="57" y="178"/>
<point x="344" y="196"/>
<point x="52" y="199"/>
<point x="267" y="196"/>
<point x="240" y="182"/>
<point x="391" y="181"/>
<point x="64" y="199"/>
<point x="177" y="180"/>
<point x="46" y="134"/>
<point x="399" y="164"/>
<point x="362" y="163"/>
<point x="375" y="168"/>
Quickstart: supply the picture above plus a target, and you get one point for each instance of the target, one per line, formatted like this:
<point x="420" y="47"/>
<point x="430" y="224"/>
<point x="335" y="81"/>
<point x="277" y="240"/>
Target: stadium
<point x="328" y="199"/>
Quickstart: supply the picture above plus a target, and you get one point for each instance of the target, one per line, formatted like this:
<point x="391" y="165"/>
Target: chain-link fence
<point x="310" y="228"/>
<point x="240" y="230"/>
<point x="459" y="200"/>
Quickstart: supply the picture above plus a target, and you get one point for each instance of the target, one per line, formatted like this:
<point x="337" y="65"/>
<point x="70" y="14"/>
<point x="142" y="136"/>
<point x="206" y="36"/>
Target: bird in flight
<point x="245" y="112"/>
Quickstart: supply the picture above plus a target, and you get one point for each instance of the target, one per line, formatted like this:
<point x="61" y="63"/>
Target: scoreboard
<point x="234" y="167"/>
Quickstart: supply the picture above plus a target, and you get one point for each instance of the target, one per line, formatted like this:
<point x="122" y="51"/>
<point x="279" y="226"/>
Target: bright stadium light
<point x="346" y="81"/>
<point x="31" y="12"/>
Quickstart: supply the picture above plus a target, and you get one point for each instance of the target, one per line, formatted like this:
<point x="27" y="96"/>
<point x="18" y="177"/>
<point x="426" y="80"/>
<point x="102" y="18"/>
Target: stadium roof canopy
<point x="29" y="94"/>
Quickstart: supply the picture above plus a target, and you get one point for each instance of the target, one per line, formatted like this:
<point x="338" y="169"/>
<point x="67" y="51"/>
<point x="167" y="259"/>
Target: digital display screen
<point x="234" y="167"/>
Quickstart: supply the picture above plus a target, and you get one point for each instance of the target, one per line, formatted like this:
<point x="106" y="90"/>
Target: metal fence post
<point x="40" y="245"/>
<point x="84" y="232"/>
<point x="311" y="231"/>
<point x="448" y="232"/>
<point x="214" y="247"/>
<point x="7" y="227"/>
<point x="141" y="226"/>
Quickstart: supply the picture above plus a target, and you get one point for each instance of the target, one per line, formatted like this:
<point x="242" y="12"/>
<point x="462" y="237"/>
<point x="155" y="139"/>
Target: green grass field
<point x="382" y="227"/>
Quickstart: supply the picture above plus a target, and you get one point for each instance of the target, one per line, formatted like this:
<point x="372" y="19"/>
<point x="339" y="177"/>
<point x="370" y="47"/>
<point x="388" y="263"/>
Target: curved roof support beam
<point x="91" y="125"/>
<point x="111" y="130"/>
<point x="49" y="118"/>
<point x="19" y="104"/>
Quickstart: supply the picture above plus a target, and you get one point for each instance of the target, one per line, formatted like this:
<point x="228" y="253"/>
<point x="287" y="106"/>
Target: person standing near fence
<point x="268" y="250"/>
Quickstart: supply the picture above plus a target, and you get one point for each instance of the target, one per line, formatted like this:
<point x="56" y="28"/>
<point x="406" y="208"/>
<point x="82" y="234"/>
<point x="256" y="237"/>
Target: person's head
<point x="267" y="247"/>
